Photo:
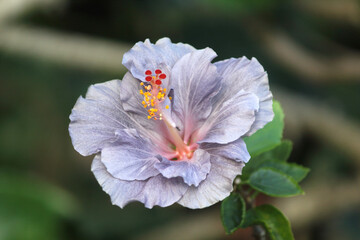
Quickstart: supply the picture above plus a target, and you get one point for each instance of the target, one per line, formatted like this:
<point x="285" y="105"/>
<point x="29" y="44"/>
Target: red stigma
<point x="148" y="78"/>
<point x="162" y="76"/>
<point x="158" y="71"/>
<point x="148" y="72"/>
<point x="158" y="82"/>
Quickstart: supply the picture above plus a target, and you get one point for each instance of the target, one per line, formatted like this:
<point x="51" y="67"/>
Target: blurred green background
<point x="52" y="50"/>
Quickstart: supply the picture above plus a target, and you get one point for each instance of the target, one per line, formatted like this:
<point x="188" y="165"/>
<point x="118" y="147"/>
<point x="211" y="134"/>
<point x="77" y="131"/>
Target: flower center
<point x="153" y="93"/>
<point x="155" y="103"/>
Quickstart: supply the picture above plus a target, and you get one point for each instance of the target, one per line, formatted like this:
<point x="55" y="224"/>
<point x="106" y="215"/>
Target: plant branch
<point x="259" y="231"/>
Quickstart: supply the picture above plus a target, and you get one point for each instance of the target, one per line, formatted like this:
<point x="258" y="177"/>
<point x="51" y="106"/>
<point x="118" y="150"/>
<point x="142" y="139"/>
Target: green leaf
<point x="275" y="223"/>
<point x="274" y="183"/>
<point x="280" y="152"/>
<point x="232" y="212"/>
<point x="269" y="136"/>
<point x="293" y="170"/>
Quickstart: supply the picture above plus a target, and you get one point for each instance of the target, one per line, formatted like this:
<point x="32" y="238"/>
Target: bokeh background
<point x="52" y="50"/>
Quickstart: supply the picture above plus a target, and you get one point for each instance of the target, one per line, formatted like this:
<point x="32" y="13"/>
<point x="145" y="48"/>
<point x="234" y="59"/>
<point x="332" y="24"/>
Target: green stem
<point x="254" y="195"/>
<point x="259" y="231"/>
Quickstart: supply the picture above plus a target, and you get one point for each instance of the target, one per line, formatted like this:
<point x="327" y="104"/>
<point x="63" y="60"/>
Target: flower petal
<point x="248" y="75"/>
<point x="95" y="119"/>
<point x="230" y="119"/>
<point x="217" y="185"/>
<point x="154" y="191"/>
<point x="130" y="157"/>
<point x="130" y="96"/>
<point x="193" y="171"/>
<point x="195" y="83"/>
<point x="235" y="150"/>
<point x="147" y="56"/>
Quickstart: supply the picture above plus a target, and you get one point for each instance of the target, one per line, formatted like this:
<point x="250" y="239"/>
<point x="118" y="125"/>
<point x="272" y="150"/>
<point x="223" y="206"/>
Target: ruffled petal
<point x="156" y="190"/>
<point x="95" y="118"/>
<point x="130" y="157"/>
<point x="230" y="120"/>
<point x="235" y="150"/>
<point x="217" y="185"/>
<point x="248" y="75"/>
<point x="147" y="56"/>
<point x="195" y="83"/>
<point x="193" y="171"/>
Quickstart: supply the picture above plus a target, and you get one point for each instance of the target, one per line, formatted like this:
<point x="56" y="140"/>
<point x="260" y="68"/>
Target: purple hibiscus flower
<point x="172" y="130"/>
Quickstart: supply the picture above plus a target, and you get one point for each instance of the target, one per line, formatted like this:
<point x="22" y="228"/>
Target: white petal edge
<point x="95" y="118"/>
<point x="250" y="76"/>
<point x="217" y="185"/>
<point x="147" y="56"/>
<point x="156" y="191"/>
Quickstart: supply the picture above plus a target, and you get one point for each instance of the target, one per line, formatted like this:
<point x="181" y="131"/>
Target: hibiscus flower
<point x="171" y="131"/>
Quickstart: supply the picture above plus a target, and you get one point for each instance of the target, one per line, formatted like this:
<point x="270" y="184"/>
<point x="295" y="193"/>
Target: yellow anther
<point x="170" y="98"/>
<point x="153" y="95"/>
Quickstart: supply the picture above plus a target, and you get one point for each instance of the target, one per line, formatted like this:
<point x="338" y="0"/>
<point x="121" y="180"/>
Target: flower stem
<point x="259" y="232"/>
